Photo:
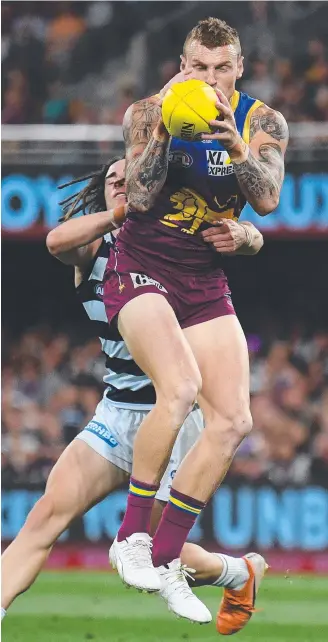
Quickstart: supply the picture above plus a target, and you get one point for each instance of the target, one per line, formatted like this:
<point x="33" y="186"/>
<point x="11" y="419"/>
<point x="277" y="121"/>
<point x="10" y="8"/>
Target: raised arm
<point x="146" y="151"/>
<point x="259" y="166"/>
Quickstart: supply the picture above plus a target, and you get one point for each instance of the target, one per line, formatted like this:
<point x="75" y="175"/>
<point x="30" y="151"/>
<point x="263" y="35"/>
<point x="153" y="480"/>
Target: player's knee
<point x="229" y="430"/>
<point x="180" y="396"/>
<point x="242" y="424"/>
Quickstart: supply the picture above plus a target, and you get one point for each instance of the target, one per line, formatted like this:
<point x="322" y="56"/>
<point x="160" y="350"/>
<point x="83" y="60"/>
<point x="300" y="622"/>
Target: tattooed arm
<point x="147" y="148"/>
<point x="259" y="166"/>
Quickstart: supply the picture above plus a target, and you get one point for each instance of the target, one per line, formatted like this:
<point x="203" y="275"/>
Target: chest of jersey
<point x="201" y="176"/>
<point x="201" y="185"/>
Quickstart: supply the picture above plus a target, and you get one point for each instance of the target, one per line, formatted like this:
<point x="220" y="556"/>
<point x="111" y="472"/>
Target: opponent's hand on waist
<point x="225" y="236"/>
<point x="225" y="129"/>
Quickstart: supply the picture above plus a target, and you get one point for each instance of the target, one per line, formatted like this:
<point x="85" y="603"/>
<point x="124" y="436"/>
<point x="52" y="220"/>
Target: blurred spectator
<point x="98" y="14"/>
<point x="317" y="64"/>
<point x="16" y="100"/>
<point x="59" y="43"/>
<point x="258" y="37"/>
<point x="51" y="386"/>
<point x="125" y="99"/>
<point x="62" y="33"/>
<point x="31" y="24"/>
<point x="321" y="103"/>
<point x="56" y="106"/>
<point x="167" y="70"/>
<point x="262" y="84"/>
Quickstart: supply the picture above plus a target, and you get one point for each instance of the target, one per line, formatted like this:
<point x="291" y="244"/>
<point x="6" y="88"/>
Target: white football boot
<point x="178" y="595"/>
<point x="132" y="559"/>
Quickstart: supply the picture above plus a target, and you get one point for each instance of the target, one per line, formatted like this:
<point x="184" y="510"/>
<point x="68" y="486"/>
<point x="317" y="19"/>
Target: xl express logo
<point x="218" y="163"/>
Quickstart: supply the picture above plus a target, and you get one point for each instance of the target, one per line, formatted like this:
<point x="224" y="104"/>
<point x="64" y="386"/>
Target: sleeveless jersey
<point x="200" y="188"/>
<point x="127" y="384"/>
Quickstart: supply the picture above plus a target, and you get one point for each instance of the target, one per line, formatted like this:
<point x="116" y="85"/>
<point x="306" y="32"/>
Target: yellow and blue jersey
<point x="201" y="187"/>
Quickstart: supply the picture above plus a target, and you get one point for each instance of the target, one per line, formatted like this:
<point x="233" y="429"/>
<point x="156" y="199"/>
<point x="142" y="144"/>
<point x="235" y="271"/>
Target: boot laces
<point x="138" y="553"/>
<point x="177" y="579"/>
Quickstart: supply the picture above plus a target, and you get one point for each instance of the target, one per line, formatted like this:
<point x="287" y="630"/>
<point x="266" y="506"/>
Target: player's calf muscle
<point x="46" y="520"/>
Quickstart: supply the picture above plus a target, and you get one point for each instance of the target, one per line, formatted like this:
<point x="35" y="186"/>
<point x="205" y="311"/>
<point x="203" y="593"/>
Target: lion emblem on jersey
<point x="192" y="208"/>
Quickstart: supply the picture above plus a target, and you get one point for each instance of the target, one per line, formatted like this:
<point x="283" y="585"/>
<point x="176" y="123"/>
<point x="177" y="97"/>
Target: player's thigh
<point x="156" y="341"/>
<point x="221" y="352"/>
<point x="80" y="479"/>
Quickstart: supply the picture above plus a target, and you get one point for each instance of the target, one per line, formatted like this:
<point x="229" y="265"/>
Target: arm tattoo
<point x="269" y="121"/>
<point x="146" y="172"/>
<point x="260" y="179"/>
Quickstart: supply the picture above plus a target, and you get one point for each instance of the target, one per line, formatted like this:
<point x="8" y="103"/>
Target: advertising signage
<point x="30" y="202"/>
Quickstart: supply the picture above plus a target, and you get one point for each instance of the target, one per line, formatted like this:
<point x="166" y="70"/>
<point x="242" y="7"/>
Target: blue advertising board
<point x="237" y="518"/>
<point x="30" y="202"/>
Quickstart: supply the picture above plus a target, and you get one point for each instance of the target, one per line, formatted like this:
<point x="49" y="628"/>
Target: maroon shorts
<point x="194" y="298"/>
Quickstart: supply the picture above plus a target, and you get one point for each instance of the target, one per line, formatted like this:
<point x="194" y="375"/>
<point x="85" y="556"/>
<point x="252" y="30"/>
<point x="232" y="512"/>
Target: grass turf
<point x="78" y="606"/>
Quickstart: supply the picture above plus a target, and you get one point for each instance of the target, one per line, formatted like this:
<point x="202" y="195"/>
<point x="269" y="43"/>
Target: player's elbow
<point x="54" y="242"/>
<point x="140" y="202"/>
<point x="263" y="208"/>
<point x="258" y="243"/>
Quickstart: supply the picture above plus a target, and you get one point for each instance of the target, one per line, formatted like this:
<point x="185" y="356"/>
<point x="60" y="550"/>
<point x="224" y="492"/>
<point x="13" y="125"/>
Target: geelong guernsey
<point x="127" y="385"/>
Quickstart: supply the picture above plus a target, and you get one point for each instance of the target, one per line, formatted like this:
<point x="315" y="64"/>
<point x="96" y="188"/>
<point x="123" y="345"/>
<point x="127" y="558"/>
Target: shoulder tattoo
<point x="269" y="121"/>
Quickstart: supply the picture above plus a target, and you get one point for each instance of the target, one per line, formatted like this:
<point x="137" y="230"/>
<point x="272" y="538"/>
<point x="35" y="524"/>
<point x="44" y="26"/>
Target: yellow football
<point x="187" y="109"/>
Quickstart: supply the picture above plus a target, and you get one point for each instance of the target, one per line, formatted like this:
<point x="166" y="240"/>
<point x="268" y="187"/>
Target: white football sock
<point x="3" y="613"/>
<point x="234" y="573"/>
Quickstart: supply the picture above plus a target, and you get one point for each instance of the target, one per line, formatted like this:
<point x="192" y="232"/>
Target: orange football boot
<point x="237" y="607"/>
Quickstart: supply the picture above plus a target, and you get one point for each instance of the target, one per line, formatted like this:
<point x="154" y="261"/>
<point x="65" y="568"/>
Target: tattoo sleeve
<point x="146" y="155"/>
<point x="260" y="178"/>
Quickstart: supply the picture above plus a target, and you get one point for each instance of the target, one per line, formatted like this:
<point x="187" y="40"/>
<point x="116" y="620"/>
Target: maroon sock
<point x="137" y="515"/>
<point x="177" y="520"/>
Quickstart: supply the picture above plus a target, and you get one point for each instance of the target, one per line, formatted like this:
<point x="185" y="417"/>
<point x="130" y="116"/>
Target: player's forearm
<point x="254" y="240"/>
<point x="146" y="175"/>
<point x="78" y="232"/>
<point x="260" y="179"/>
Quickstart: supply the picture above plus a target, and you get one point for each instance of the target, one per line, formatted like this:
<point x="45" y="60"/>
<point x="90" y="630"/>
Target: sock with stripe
<point x="3" y="613"/>
<point x="139" y="506"/>
<point x="234" y="573"/>
<point x="177" y="520"/>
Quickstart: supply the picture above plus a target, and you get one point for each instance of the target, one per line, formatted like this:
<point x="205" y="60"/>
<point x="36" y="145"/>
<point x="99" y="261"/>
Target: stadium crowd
<point x="55" y="55"/>
<point x="51" y="383"/>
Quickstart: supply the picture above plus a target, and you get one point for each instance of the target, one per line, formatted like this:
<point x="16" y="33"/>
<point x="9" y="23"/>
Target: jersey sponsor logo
<point x="101" y="431"/>
<point x="179" y="157"/>
<point x="140" y="280"/>
<point x="218" y="163"/>
<point x="187" y="131"/>
<point x="99" y="291"/>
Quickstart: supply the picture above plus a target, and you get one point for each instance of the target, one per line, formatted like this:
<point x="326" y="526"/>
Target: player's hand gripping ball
<point x="187" y="109"/>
